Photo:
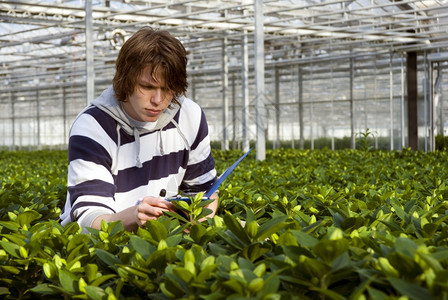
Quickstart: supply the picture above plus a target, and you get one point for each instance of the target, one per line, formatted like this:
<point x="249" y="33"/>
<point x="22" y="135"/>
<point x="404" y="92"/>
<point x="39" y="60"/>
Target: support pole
<point x="352" y="104"/>
<point x="391" y="98"/>
<point x="432" y="137"/>
<point x="277" y="108"/>
<point x="245" y="99"/>
<point x="411" y="77"/>
<point x="90" y="71"/>
<point x="300" y="82"/>
<point x="311" y="111"/>
<point x="260" y="113"/>
<point x="402" y="105"/>
<point x="438" y="96"/>
<point x="64" y="115"/>
<point x="225" y="98"/>
<point x="234" y="144"/>
<point x="12" y="98"/>
<point x="332" y="108"/>
<point x="38" y="133"/>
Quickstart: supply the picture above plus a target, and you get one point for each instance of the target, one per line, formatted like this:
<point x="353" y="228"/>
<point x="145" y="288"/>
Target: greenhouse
<point x="308" y="159"/>
<point x="328" y="70"/>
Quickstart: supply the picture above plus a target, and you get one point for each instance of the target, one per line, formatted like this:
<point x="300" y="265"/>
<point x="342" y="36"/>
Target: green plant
<point x="321" y="224"/>
<point x="365" y="137"/>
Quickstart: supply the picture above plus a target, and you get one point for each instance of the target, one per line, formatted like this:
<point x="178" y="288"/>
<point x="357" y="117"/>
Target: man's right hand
<point x="149" y="208"/>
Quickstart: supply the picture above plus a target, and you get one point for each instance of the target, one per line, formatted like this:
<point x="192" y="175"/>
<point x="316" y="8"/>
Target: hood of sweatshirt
<point x="109" y="104"/>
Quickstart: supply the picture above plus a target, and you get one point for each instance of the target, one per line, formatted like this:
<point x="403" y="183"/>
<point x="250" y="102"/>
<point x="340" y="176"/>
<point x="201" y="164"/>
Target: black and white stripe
<point x="103" y="177"/>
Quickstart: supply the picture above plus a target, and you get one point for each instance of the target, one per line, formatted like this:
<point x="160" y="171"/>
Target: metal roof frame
<point x="43" y="43"/>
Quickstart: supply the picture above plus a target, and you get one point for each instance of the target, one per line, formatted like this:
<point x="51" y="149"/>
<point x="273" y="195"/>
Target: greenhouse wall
<point x="334" y="71"/>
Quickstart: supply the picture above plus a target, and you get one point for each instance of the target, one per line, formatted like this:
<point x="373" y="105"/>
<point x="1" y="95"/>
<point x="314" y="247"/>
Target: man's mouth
<point x="152" y="111"/>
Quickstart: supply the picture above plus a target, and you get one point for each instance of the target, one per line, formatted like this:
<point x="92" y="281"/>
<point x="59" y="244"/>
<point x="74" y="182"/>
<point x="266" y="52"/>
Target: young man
<point x="139" y="137"/>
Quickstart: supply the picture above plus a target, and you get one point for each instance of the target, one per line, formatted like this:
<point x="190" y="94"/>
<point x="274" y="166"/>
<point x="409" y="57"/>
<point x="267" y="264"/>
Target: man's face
<point x="150" y="97"/>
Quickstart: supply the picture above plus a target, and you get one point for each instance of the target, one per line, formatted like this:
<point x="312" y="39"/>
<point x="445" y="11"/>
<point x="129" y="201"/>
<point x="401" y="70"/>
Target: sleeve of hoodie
<point x="201" y="172"/>
<point x="91" y="188"/>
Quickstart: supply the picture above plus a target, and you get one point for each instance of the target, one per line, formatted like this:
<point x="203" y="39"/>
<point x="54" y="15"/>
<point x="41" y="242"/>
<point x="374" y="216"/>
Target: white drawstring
<point x="160" y="142"/>
<point x="115" y="162"/>
<point x="138" y="163"/>
<point x="181" y="134"/>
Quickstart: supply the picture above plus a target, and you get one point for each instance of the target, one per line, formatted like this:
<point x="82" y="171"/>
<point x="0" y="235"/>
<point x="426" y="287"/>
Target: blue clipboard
<point x="218" y="182"/>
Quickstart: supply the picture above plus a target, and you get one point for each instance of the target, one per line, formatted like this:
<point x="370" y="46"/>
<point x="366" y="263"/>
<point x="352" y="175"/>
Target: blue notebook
<point x="218" y="182"/>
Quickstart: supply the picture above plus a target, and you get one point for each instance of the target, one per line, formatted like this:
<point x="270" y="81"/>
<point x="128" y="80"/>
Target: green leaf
<point x="295" y="281"/>
<point x="313" y="267"/>
<point x="160" y="258"/>
<point x="10" y="269"/>
<point x="377" y="294"/>
<point x="16" y="238"/>
<point x="197" y="231"/>
<point x="136" y="271"/>
<point x="442" y="254"/>
<point x="398" y="209"/>
<point x="342" y="262"/>
<point x="329" y="250"/>
<point x="270" y="227"/>
<point x="204" y="213"/>
<point x="183" y="205"/>
<point x="176" y="216"/>
<point x="254" y="251"/>
<point x="331" y="294"/>
<point x="76" y="254"/>
<point x="183" y="274"/>
<point x="405" y="246"/>
<point x="140" y="245"/>
<point x="107" y="257"/>
<point x="11" y="225"/>
<point x="95" y="293"/>
<point x="409" y="205"/>
<point x="294" y="252"/>
<point x="157" y="230"/>
<point x="405" y="265"/>
<point x="45" y="289"/>
<point x="352" y="223"/>
<point x="68" y="281"/>
<point x="175" y="286"/>
<point x="11" y="248"/>
<point x="205" y="202"/>
<point x="100" y="280"/>
<point x="271" y="285"/>
<point x="235" y="227"/>
<point x="76" y="241"/>
<point x="430" y="229"/>
<point x="218" y="250"/>
<point x="25" y="218"/>
<point x="4" y="291"/>
<point x="413" y="291"/>
<point x="304" y="238"/>
<point x="91" y="271"/>
<point x="206" y="273"/>
<point x="174" y="240"/>
<point x="392" y="226"/>
<point x="359" y="290"/>
<point x="250" y="216"/>
<point x="430" y="261"/>
<point x="236" y="283"/>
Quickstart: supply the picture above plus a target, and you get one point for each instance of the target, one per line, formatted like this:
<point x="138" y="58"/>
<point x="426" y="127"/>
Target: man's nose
<point x="157" y="96"/>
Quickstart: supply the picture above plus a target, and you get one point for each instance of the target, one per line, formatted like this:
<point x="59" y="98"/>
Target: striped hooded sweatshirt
<point x="114" y="160"/>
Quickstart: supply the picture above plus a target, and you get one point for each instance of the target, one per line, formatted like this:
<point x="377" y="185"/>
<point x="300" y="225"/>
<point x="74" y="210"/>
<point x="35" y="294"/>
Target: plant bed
<point x="348" y="224"/>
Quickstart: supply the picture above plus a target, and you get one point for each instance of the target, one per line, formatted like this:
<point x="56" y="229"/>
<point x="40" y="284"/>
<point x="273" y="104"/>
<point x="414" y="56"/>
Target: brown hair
<point x="155" y="48"/>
